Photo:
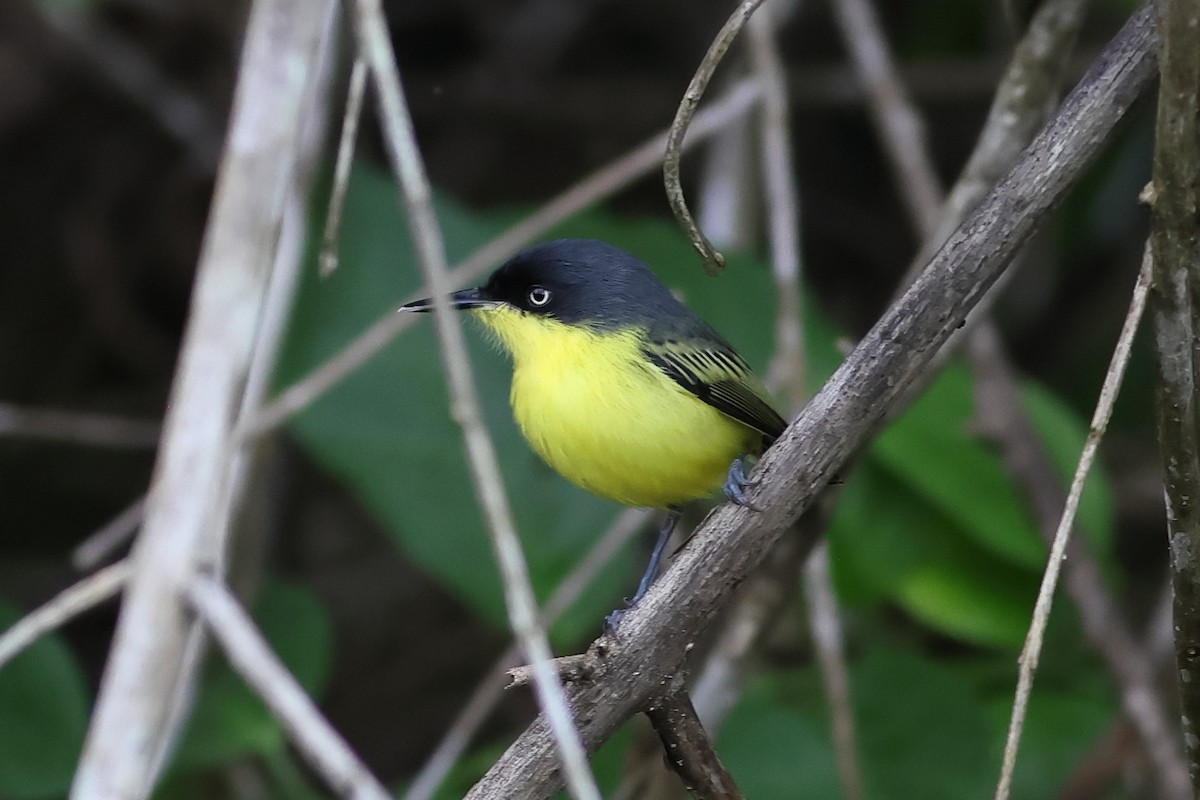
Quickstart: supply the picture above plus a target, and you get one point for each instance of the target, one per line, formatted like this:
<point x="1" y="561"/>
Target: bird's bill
<point x="461" y="301"/>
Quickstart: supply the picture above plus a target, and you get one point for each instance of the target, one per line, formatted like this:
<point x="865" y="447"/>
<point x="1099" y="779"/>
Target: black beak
<point x="461" y="301"/>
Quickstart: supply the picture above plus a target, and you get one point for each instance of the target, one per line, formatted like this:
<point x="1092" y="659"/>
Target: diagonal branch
<point x="254" y="660"/>
<point x="85" y="594"/>
<point x="657" y="634"/>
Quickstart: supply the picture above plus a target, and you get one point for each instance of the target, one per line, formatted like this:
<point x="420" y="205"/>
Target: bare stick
<point x="713" y="261"/>
<point x="66" y="605"/>
<point x="1175" y="239"/>
<point x="606" y="181"/>
<point x="689" y="750"/>
<point x="328" y="260"/>
<point x="91" y="551"/>
<point x="405" y="157"/>
<point x="579" y="667"/>
<point x="156" y="646"/>
<point x="900" y="127"/>
<point x="1041" y="610"/>
<point x="783" y="207"/>
<point x="77" y="427"/>
<point x="489" y="690"/>
<point x="252" y="657"/>
<point x="876" y="376"/>
<point x="826" y="625"/>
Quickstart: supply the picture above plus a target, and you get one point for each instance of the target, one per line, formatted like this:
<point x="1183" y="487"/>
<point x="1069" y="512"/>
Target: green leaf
<point x="876" y="536"/>
<point x="964" y="595"/>
<point x="887" y="542"/>
<point x="932" y="451"/>
<point x="43" y="717"/>
<point x="229" y="721"/>
<point x="920" y="728"/>
<point x="772" y="751"/>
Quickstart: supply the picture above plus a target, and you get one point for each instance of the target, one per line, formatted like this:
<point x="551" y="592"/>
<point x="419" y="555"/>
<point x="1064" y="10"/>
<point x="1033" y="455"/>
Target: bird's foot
<point x="611" y="621"/>
<point x="736" y="483"/>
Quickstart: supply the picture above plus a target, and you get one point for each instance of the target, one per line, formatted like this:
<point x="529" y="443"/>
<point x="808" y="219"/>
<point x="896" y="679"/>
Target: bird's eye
<point x="539" y="296"/>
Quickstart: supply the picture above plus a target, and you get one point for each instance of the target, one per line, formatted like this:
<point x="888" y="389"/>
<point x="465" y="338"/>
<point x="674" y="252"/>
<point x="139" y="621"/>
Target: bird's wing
<point x="716" y="374"/>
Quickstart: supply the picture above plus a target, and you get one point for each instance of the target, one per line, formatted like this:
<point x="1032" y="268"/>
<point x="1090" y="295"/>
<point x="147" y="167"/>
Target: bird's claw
<point x="736" y="483"/>
<point x="612" y="620"/>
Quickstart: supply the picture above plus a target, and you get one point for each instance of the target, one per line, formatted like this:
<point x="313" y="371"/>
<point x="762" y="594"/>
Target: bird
<point x="617" y="385"/>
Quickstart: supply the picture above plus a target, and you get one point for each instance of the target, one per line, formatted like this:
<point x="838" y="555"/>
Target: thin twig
<point x="782" y="199"/>
<point x="578" y="667"/>
<point x="328" y="259"/>
<point x="1041" y="612"/>
<point x="890" y="358"/>
<point x="1109" y="756"/>
<point x="77" y="427"/>
<point x="900" y="127"/>
<point x="713" y="261"/>
<point x="826" y="625"/>
<point x="488" y="692"/>
<point x="88" y="554"/>
<point x="719" y="682"/>
<point x="252" y="657"/>
<point x="606" y="181"/>
<point x="405" y="156"/>
<point x="689" y="750"/>
<point x="66" y="605"/>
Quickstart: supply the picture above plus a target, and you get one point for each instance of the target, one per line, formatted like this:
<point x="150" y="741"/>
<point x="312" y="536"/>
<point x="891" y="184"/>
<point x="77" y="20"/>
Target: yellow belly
<point x="610" y="422"/>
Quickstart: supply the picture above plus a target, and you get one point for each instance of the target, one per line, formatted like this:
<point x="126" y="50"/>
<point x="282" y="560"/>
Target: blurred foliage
<point x="43" y="716"/>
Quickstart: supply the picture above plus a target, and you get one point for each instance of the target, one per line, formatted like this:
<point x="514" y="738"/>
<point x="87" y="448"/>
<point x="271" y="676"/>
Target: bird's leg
<point x="736" y="483"/>
<point x="660" y="546"/>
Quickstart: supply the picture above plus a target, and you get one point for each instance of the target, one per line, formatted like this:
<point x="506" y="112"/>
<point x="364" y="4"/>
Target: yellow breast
<point x="609" y="421"/>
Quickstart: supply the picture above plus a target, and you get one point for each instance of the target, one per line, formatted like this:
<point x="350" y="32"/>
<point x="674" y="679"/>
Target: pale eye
<point x="539" y="296"/>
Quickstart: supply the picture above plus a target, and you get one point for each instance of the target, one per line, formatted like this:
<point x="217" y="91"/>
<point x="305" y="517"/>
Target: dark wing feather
<point x="711" y="370"/>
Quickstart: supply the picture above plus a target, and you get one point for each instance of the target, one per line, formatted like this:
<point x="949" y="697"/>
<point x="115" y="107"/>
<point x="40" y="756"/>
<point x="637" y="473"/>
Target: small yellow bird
<point x="617" y="385"/>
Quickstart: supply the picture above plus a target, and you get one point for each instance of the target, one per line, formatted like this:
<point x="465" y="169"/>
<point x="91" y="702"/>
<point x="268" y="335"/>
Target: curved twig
<point x="713" y="261"/>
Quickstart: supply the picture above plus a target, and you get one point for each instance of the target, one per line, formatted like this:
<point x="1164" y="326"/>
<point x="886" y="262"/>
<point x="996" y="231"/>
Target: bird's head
<point x="586" y="285"/>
